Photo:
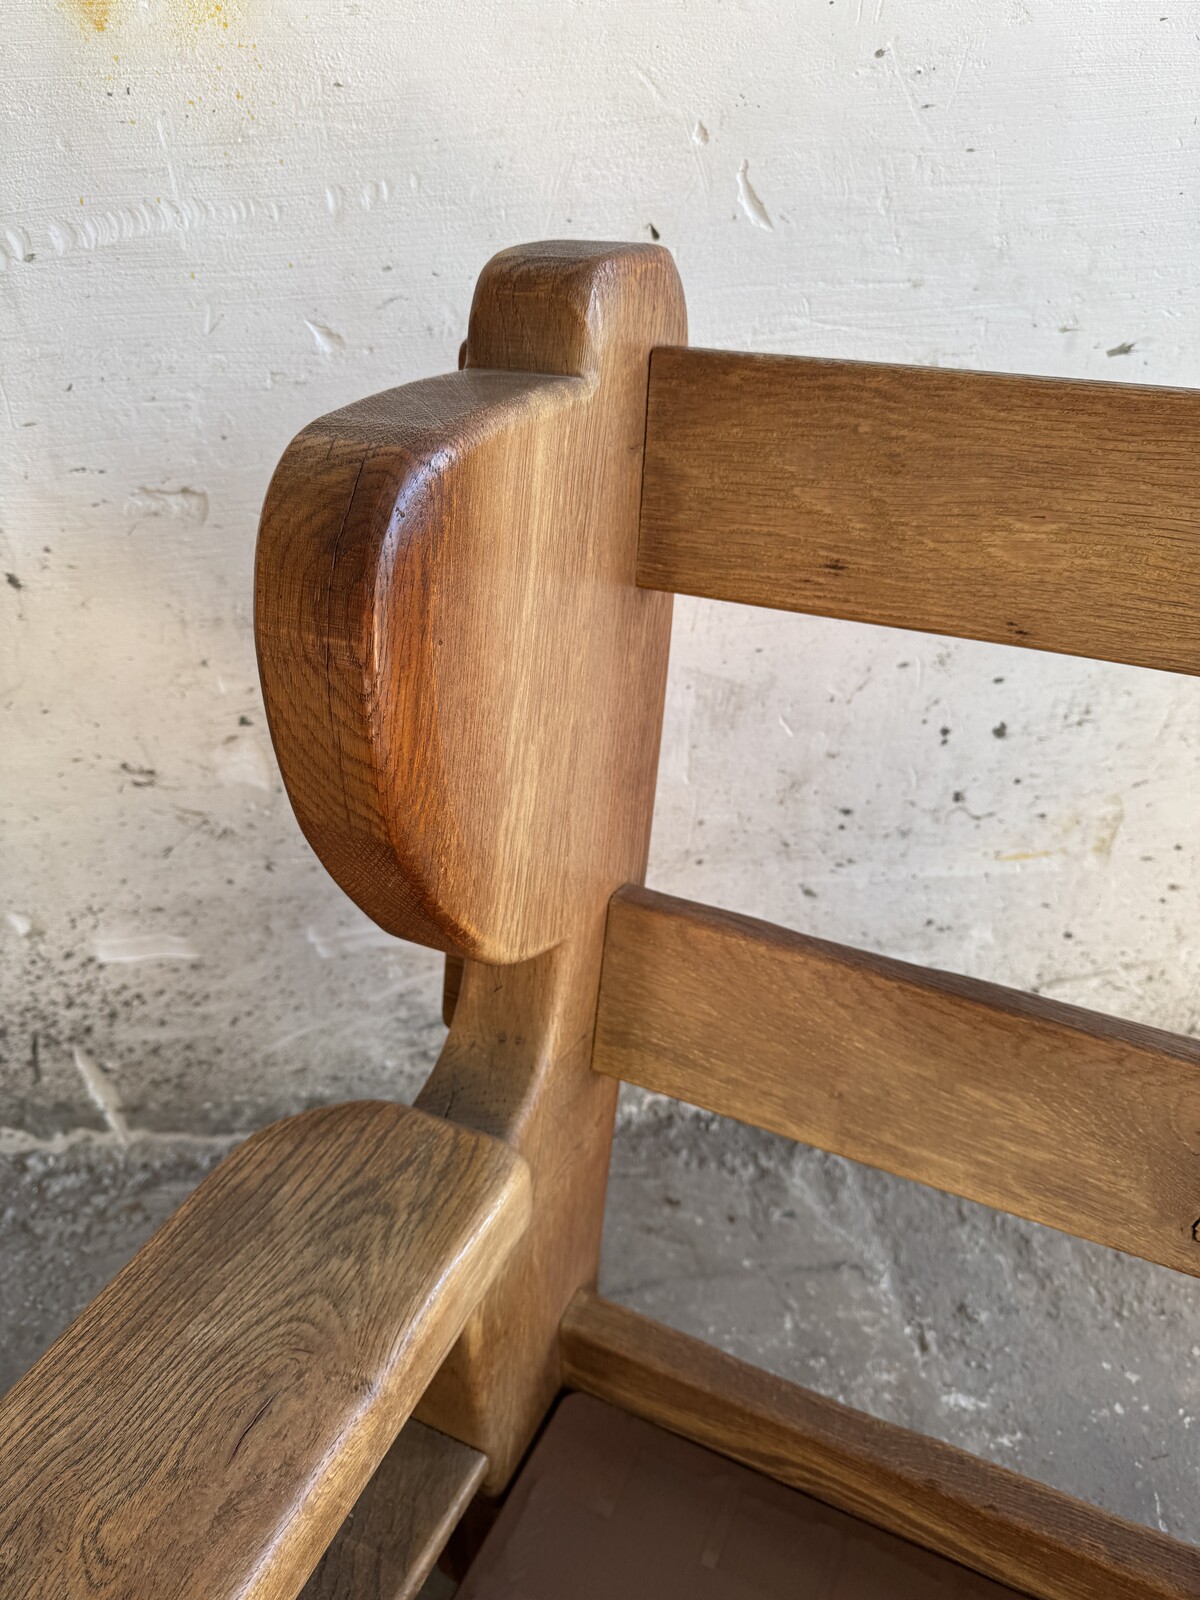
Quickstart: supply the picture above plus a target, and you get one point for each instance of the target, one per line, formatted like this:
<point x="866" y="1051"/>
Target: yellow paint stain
<point x="93" y="13"/>
<point x="213" y="13"/>
<point x="1026" y="855"/>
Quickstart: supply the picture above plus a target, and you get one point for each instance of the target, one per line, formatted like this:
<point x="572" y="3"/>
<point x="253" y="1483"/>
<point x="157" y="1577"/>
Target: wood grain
<point x="516" y="1065"/>
<point x="202" y="1429"/>
<point x="1009" y="1528"/>
<point x="463" y="683"/>
<point x="547" y="776"/>
<point x="388" y="1544"/>
<point x="1081" y="1121"/>
<point x="1059" y="515"/>
<point x="452" y="977"/>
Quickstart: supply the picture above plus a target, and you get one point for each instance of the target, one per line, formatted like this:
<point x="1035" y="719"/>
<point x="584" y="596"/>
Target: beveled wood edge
<point x="400" y="1524"/>
<point x="1009" y="1528"/>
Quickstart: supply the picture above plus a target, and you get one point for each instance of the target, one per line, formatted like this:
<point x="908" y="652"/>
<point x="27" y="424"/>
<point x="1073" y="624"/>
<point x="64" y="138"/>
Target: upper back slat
<point x="1058" y="515"/>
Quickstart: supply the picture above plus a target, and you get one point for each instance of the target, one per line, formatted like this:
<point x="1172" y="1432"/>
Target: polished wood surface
<point x="203" y="1428"/>
<point x="1059" y="515"/>
<point x="463" y="683"/>
<point x="388" y="1544"/>
<point x="541" y="783"/>
<point x="463" y="657"/>
<point x="516" y="1066"/>
<point x="1009" y="1528"/>
<point x="1081" y="1121"/>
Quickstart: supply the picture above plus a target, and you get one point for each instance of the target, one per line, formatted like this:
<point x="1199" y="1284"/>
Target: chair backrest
<point x="1060" y="516"/>
<point x="462" y="618"/>
<point x="462" y="612"/>
<point x="1030" y="511"/>
<point x="463" y="654"/>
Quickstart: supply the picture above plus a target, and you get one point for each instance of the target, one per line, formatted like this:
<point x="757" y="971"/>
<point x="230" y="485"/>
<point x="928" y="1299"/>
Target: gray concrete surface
<point x="1056" y="1358"/>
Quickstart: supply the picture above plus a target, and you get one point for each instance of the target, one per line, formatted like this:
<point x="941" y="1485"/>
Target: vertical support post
<point x="465" y="689"/>
<point x="518" y="1058"/>
<point x="518" y="1063"/>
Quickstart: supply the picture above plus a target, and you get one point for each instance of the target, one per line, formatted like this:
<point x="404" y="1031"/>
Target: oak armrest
<point x="202" y="1429"/>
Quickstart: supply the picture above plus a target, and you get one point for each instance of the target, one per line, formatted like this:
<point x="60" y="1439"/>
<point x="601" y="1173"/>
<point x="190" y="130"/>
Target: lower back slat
<point x="1080" y="1121"/>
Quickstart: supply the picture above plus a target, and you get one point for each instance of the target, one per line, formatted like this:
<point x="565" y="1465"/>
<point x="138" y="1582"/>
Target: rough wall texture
<point x="218" y="220"/>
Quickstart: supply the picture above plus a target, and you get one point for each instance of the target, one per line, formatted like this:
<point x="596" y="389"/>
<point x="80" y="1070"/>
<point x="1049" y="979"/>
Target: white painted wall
<point x="220" y="219"/>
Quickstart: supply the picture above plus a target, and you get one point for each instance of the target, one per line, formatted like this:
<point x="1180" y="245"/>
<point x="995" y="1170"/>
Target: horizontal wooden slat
<point x="1019" y="1532"/>
<point x="204" y="1427"/>
<point x="388" y="1544"/>
<point x="1084" y="1122"/>
<point x="1059" y="515"/>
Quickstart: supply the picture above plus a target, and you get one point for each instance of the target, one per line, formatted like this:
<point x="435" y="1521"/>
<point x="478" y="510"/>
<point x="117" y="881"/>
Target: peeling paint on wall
<point x="171" y="505"/>
<point x="750" y="202"/>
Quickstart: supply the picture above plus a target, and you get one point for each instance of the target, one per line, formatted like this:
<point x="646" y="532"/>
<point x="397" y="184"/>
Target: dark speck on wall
<point x="13" y="581"/>
<point x="1000" y="731"/>
<point x="140" y="777"/>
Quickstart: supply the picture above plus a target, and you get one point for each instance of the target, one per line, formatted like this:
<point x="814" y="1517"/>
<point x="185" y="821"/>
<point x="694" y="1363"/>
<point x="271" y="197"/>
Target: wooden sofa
<point x="336" y="1356"/>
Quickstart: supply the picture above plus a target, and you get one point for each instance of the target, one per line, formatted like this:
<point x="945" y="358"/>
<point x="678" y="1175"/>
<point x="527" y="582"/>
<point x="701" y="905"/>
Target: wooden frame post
<point x="465" y="690"/>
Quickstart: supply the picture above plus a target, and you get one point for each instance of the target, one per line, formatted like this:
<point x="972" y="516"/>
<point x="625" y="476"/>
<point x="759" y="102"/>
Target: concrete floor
<point x="1051" y="1356"/>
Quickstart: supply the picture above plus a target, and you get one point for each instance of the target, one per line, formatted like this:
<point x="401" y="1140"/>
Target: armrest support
<point x="202" y="1429"/>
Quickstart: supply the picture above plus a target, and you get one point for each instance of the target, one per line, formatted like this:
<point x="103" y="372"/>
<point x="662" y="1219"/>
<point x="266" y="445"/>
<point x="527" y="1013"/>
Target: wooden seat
<point x="610" y="1505"/>
<point x="463" y="601"/>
